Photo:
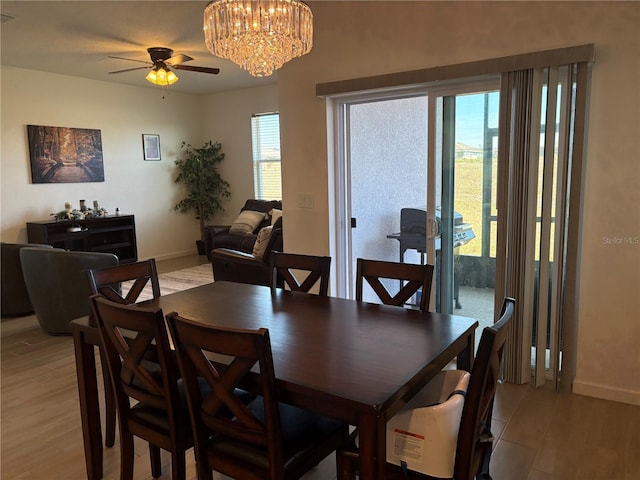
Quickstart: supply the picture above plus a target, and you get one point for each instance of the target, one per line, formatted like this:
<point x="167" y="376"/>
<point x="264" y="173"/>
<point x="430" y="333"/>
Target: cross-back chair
<point x="474" y="440"/>
<point x="108" y="283"/>
<point x="262" y="440"/>
<point x="412" y="277"/>
<point x="300" y="272"/>
<point x="147" y="393"/>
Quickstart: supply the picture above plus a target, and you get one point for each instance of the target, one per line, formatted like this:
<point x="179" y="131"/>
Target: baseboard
<point x="607" y="393"/>
<point x="171" y="256"/>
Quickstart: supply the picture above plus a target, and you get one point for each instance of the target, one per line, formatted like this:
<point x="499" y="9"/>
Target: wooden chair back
<point x="234" y="438"/>
<point x="244" y="349"/>
<point x="128" y="333"/>
<point x="108" y="282"/>
<point x="309" y="268"/>
<point x="475" y="441"/>
<point x="412" y="277"/>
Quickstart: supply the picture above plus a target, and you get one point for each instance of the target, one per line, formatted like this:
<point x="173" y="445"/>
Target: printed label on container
<point x="408" y="445"/>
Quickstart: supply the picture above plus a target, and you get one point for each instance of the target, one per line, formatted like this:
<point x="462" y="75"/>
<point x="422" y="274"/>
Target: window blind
<point x="265" y="132"/>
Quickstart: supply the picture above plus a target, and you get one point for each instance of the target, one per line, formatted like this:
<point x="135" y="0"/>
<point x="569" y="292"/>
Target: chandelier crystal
<point x="258" y="35"/>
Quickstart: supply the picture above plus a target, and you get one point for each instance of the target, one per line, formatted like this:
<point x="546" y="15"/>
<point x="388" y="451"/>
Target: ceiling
<point x="76" y="38"/>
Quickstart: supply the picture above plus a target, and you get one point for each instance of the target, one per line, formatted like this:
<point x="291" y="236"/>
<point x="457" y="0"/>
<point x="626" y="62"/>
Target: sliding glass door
<point x="416" y="183"/>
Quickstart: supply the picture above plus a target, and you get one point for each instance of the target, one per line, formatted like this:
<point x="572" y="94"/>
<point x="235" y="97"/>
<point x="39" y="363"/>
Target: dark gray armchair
<point x="58" y="284"/>
<point x="15" y="300"/>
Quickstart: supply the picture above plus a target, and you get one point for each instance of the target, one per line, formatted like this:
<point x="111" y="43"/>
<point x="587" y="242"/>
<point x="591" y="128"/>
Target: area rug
<point x="186" y="278"/>
<point x="179" y="280"/>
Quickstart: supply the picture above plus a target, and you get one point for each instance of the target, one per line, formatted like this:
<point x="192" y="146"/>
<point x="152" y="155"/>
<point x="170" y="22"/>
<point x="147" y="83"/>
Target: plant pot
<point x="200" y="246"/>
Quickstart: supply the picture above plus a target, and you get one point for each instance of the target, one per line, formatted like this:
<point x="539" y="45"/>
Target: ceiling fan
<point x="161" y="59"/>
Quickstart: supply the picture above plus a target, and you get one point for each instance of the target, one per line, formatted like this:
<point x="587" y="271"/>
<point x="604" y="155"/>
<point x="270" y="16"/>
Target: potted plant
<point x="206" y="189"/>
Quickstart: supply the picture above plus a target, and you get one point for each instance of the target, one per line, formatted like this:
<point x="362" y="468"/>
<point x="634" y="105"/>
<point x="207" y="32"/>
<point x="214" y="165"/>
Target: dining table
<point x="357" y="362"/>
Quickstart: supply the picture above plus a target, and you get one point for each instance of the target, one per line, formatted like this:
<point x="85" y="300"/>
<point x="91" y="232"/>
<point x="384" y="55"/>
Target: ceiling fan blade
<point x="130" y="59"/>
<point x="130" y="69"/>
<point x="178" y="59"/>
<point x="197" y="69"/>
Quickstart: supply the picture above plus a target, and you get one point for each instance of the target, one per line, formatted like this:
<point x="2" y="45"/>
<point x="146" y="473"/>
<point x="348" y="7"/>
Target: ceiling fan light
<point x="171" y="78"/>
<point x="152" y="77"/>
<point x="162" y="77"/>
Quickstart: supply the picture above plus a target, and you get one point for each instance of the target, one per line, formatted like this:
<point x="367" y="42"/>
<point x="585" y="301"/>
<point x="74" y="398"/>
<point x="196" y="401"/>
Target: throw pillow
<point x="262" y="241"/>
<point x="275" y="215"/>
<point x="247" y="222"/>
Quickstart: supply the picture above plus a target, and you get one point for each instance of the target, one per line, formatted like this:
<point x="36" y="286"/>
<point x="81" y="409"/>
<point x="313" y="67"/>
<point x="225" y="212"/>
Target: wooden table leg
<point x="89" y="407"/>
<point x="464" y="360"/>
<point x="367" y="448"/>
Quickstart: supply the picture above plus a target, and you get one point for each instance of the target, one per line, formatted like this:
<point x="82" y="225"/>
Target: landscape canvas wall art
<point x="65" y="155"/>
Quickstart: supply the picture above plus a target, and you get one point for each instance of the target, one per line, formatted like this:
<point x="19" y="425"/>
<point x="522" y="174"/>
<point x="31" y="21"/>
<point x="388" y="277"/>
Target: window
<point x="265" y="135"/>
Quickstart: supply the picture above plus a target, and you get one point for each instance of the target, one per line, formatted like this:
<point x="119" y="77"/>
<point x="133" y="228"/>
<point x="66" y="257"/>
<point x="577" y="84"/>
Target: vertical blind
<point x="542" y="120"/>
<point x="265" y="133"/>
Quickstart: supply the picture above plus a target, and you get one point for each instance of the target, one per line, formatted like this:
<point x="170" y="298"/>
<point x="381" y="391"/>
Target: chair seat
<point x="156" y="418"/>
<point x="300" y="432"/>
<point x="296" y="424"/>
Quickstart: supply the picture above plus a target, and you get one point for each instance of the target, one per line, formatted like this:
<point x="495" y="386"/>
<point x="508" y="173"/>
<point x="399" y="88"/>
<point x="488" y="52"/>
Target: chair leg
<point x="483" y="474"/>
<point x="156" y="461"/>
<point x="109" y="404"/>
<point x="178" y="465"/>
<point x="204" y="472"/>
<point x="344" y="466"/>
<point x="126" y="456"/>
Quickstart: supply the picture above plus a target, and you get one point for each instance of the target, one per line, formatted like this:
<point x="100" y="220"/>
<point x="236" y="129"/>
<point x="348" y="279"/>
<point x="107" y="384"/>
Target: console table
<point x="111" y="234"/>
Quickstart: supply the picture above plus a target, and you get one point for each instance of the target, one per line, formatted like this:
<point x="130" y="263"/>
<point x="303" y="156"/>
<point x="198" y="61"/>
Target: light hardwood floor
<point x="540" y="434"/>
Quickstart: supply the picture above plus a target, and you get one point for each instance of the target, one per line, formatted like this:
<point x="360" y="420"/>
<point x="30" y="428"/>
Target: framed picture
<point x="65" y="155"/>
<point x="151" y="146"/>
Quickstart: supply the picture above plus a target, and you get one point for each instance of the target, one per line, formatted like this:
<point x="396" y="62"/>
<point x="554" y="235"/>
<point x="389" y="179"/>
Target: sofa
<point x="238" y="237"/>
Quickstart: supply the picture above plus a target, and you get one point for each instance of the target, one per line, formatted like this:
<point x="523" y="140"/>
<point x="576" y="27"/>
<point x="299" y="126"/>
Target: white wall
<point x="357" y="39"/>
<point x="122" y="114"/>
<point x="227" y="117"/>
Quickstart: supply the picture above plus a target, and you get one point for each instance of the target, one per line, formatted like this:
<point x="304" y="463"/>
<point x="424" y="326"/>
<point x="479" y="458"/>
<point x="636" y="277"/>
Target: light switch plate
<point x="305" y="200"/>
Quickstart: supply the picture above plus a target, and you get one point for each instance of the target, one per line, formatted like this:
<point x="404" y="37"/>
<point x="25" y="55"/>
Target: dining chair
<point x="474" y="440"/>
<point x="147" y="393"/>
<point x="300" y="272"/>
<point x="122" y="284"/>
<point x="412" y="277"/>
<point x="108" y="282"/>
<point x="262" y="440"/>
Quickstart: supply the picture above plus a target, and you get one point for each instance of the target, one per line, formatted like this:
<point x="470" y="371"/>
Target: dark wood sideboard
<point x="111" y="234"/>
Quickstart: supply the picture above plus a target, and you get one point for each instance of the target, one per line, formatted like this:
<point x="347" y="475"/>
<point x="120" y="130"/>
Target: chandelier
<point x="258" y="35"/>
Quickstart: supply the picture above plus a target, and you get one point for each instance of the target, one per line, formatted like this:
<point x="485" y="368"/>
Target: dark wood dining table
<point x="354" y="361"/>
